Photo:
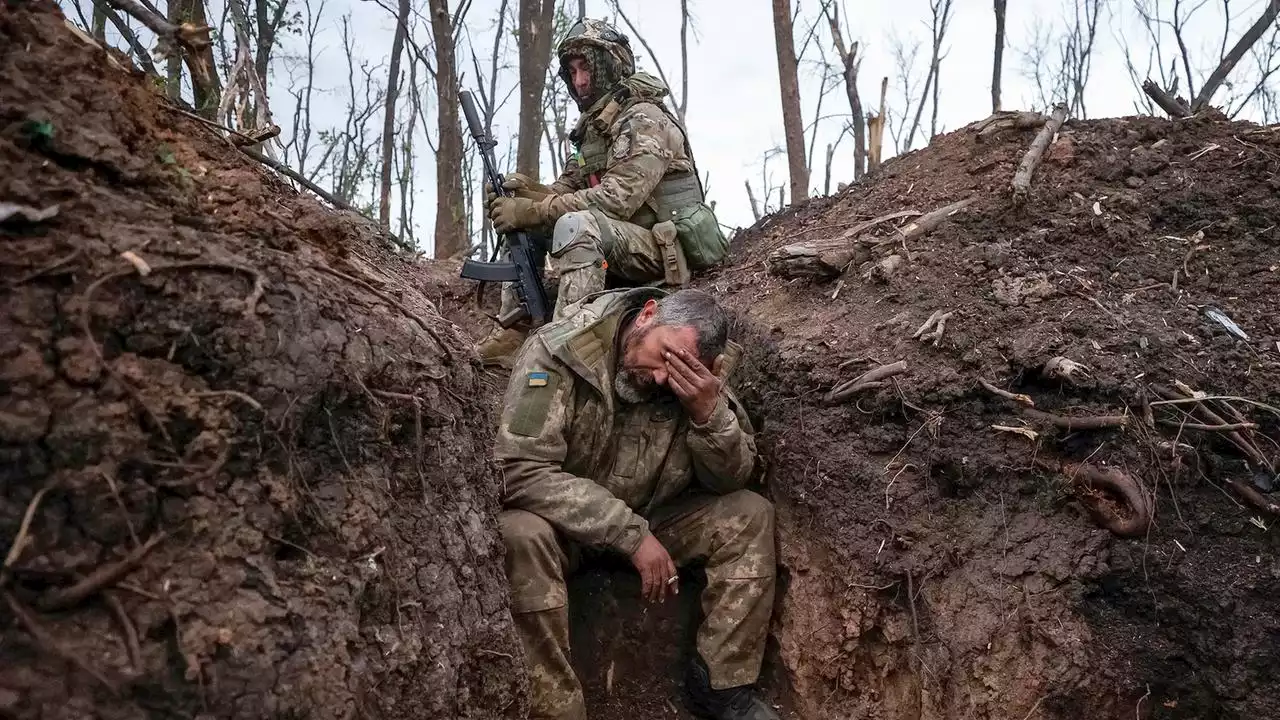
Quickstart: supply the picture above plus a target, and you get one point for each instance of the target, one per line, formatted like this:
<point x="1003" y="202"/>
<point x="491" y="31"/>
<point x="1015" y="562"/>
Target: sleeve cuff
<point x="632" y="535"/>
<point x="721" y="419"/>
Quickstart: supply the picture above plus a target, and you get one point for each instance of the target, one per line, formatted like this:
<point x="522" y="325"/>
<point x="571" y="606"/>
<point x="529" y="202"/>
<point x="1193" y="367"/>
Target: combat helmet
<point x="606" y="51"/>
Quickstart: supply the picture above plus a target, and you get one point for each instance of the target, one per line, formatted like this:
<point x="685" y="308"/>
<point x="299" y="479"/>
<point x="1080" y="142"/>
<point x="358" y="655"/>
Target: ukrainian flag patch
<point x="538" y="378"/>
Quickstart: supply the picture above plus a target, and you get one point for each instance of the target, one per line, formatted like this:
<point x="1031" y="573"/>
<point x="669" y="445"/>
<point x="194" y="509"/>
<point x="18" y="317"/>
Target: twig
<point x="291" y="544"/>
<point x="45" y="640"/>
<point x="98" y="580"/>
<point x="930" y="221"/>
<point x="124" y="510"/>
<point x="1233" y="398"/>
<point x="1030" y="161"/>
<point x="1186" y="273"/>
<point x="231" y="393"/>
<point x="1253" y="497"/>
<point x="207" y="122"/>
<point x="938" y="322"/>
<point x="250" y="301"/>
<point x="20" y="540"/>
<point x="1016" y="397"/>
<point x="865" y="226"/>
<point x="1248" y="448"/>
<point x="870" y="379"/>
<point x="1078" y="423"/>
<point x="1230" y="427"/>
<point x="127" y="628"/>
<point x="1137" y="709"/>
<point x="65" y="259"/>
<point x="1034" y="706"/>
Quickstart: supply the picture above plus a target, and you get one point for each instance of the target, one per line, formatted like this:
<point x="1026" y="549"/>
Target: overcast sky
<point x="734" y="113"/>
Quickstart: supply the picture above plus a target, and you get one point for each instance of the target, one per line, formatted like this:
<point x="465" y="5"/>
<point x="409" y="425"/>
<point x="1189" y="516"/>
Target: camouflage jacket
<point x="634" y="150"/>
<point x="595" y="467"/>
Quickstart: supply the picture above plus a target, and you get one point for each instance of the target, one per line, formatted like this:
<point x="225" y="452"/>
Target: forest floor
<point x="245" y="445"/>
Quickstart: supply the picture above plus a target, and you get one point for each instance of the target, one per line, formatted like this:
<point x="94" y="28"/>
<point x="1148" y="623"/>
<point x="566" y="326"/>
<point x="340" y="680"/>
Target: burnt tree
<point x="537" y="19"/>
<point x="789" y="83"/>
<point x="450" y="228"/>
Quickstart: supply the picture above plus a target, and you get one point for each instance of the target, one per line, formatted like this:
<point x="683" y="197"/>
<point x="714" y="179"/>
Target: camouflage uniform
<point x="610" y="209"/>
<point x="583" y="469"/>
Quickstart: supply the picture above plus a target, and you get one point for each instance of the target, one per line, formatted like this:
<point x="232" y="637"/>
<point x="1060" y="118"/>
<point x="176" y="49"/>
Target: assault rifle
<point x="525" y="268"/>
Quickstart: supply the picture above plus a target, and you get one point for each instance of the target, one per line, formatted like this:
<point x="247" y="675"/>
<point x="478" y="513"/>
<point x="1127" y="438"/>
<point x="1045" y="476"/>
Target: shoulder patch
<point x="622" y="146"/>
<point x="534" y="404"/>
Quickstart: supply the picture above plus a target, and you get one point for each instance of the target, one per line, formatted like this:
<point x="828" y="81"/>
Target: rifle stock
<point x="524" y="270"/>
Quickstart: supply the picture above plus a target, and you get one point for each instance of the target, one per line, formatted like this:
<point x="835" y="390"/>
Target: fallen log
<point x="1022" y="179"/>
<point x="1008" y="120"/>
<point x="828" y="257"/>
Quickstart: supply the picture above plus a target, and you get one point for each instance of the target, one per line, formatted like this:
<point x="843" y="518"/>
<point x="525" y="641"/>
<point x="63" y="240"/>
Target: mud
<point x="196" y="357"/>
<point x="940" y="568"/>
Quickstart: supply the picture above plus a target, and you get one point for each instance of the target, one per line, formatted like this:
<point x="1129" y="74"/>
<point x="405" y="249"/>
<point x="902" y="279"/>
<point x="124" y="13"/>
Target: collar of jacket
<point x="599" y="116"/>
<point x="586" y="341"/>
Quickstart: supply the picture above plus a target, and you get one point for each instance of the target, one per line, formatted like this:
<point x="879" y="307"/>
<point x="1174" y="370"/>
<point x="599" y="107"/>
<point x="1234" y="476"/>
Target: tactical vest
<point x="676" y="191"/>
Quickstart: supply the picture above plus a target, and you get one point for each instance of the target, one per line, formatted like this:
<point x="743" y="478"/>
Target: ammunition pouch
<point x="674" y="265"/>
<point x="678" y="199"/>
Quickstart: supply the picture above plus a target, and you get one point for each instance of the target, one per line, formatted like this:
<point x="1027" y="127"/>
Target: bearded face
<point x="634" y="384"/>
<point x="642" y="371"/>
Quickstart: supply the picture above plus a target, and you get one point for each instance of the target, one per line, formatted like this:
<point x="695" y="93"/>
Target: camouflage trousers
<point x="733" y="533"/>
<point x="583" y="245"/>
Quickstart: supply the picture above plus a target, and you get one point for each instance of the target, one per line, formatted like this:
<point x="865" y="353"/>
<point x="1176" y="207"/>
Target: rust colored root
<point x="1119" y="484"/>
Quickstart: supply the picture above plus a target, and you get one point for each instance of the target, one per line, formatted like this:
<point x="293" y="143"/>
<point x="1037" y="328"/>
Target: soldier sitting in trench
<point x="618" y="433"/>
<point x="629" y="205"/>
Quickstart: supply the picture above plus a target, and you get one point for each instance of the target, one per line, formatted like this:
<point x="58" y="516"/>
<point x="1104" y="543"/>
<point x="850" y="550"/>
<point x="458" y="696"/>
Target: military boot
<point x="736" y="703"/>
<point x="500" y="347"/>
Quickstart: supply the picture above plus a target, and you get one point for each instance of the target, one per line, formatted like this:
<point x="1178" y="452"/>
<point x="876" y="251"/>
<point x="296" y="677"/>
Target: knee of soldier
<point x="525" y="534"/>
<point x="750" y="512"/>
<point x="576" y="233"/>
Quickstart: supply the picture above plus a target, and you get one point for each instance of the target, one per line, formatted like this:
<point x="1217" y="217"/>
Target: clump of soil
<point x="244" y="459"/>
<point x="942" y="567"/>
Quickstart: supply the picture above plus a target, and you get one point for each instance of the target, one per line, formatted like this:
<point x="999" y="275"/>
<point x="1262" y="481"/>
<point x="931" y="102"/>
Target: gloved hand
<point x="522" y="185"/>
<point x="515" y="213"/>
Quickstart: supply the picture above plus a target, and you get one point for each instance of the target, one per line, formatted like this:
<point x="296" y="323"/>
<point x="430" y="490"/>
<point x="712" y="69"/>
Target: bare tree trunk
<point x="206" y="90"/>
<point x="173" y="63"/>
<point x="941" y="19"/>
<point x="998" y="63"/>
<point x="269" y="23"/>
<point x="140" y="52"/>
<point x="788" y="77"/>
<point x="875" y="127"/>
<point x="450" y="233"/>
<point x="536" y="20"/>
<point x="1241" y="47"/>
<point x="851" y="62"/>
<point x="99" y="27"/>
<point x="826" y="178"/>
<point x="751" y="197"/>
<point x="389" y="118"/>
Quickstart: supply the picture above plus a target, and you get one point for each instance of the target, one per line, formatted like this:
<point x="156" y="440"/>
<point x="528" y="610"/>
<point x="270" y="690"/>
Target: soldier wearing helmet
<point x="629" y="206"/>
<point x="601" y="446"/>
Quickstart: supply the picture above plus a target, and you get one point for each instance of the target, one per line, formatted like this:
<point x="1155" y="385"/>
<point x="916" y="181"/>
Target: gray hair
<point x="700" y="311"/>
